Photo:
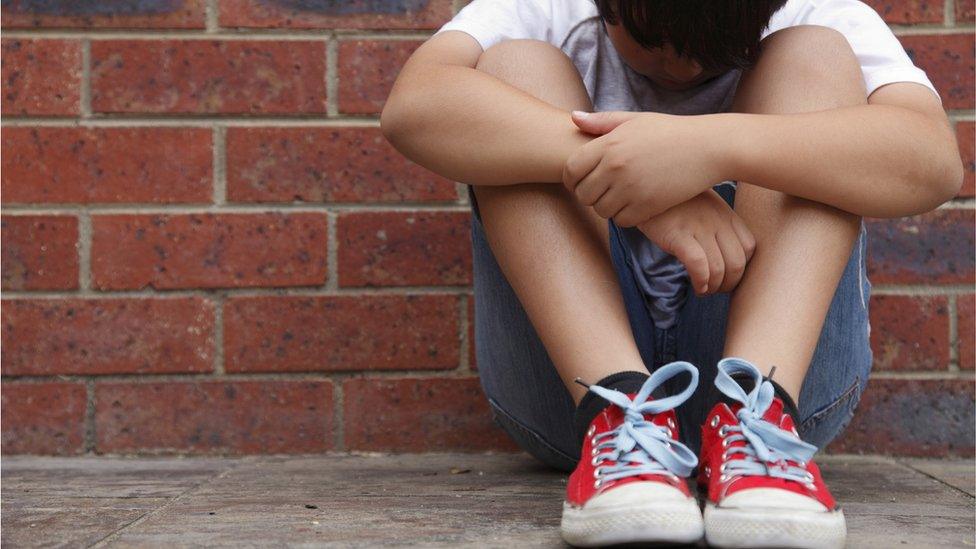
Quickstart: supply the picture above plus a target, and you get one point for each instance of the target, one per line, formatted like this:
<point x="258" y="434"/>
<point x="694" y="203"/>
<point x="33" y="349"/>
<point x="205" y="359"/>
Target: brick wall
<point x="208" y="247"/>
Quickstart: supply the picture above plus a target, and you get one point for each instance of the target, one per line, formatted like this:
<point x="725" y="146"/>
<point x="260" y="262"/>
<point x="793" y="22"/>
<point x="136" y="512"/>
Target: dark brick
<point x="933" y="248"/>
<point x="354" y="14"/>
<point x="41" y="77"/>
<point x="966" y="134"/>
<point x="910" y="332"/>
<point x="246" y="417"/>
<point x="367" y="70"/>
<point x="966" y="329"/>
<point x="966" y="11"/>
<point x="948" y="59"/>
<point x="907" y="12"/>
<point x="39" y="252"/>
<point x="138" y="14"/>
<point x="43" y="418"/>
<point x="107" y="336"/>
<point x="331" y="333"/>
<point x="404" y="248"/>
<point x="208" y="77"/>
<point x="106" y="165"/>
<point x="912" y="417"/>
<point x="419" y="415"/>
<point x="325" y="165"/>
<point x="208" y="250"/>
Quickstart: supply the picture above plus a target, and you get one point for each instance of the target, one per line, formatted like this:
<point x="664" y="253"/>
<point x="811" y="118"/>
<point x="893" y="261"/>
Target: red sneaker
<point x="763" y="490"/>
<point x="629" y="485"/>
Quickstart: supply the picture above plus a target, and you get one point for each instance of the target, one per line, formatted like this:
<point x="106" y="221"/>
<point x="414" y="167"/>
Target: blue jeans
<point x="531" y="404"/>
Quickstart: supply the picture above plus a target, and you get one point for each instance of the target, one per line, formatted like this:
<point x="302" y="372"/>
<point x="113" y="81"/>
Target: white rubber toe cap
<point x="637" y="493"/>
<point x="774" y="498"/>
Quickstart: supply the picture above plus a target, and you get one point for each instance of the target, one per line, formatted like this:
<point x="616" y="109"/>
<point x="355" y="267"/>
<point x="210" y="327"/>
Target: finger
<point x="592" y="187"/>
<point x="631" y="215"/>
<point x="734" y="257"/>
<point x="584" y="160"/>
<point x="599" y="123"/>
<point x="744" y="235"/>
<point x="610" y="204"/>
<point x="716" y="264"/>
<point x="690" y="253"/>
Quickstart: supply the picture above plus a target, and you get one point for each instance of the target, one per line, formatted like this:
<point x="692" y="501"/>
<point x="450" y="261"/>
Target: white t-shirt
<point x="882" y="58"/>
<point x="574" y="27"/>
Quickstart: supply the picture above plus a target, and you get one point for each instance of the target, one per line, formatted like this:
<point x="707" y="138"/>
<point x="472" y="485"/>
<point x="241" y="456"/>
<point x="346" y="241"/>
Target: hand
<point x="643" y="163"/>
<point x="708" y="237"/>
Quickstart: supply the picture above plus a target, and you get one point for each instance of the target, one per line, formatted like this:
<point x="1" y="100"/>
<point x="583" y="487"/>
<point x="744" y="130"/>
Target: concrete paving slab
<point x="959" y="474"/>
<point x="75" y="502"/>
<point x="444" y="500"/>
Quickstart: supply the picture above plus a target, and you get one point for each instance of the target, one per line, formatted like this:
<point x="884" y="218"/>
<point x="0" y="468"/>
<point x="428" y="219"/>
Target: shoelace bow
<point x="638" y="446"/>
<point x="769" y="449"/>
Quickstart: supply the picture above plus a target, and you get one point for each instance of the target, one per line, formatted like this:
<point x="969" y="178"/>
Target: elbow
<point x="947" y="180"/>
<point x="392" y="122"/>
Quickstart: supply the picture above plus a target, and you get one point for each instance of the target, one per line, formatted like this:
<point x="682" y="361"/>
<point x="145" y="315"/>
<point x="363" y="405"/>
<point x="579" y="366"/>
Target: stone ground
<point x="418" y="500"/>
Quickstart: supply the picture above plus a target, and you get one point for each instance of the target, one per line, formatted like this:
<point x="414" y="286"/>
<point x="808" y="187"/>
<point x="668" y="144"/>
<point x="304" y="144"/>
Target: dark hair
<point x="719" y="34"/>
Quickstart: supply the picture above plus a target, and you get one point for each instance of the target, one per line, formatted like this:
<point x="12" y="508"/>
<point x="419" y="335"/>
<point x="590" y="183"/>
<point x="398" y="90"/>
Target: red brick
<point x="966" y="11"/>
<point x="208" y="250"/>
<point x="910" y="332"/>
<point x="948" y="59"/>
<point x="334" y="333"/>
<point x="908" y="12"/>
<point x="325" y="165"/>
<point x="912" y="417"/>
<point x="966" y="134"/>
<point x="247" y="417"/>
<point x="933" y="248"/>
<point x="170" y="14"/>
<point x="43" y="418"/>
<point x="419" y="415"/>
<point x="39" y="252"/>
<point x="41" y="77"/>
<point x="966" y="329"/>
<point x="404" y="248"/>
<point x="107" y="336"/>
<point x="356" y="14"/>
<point x="208" y="77"/>
<point x="106" y="165"/>
<point x="367" y="70"/>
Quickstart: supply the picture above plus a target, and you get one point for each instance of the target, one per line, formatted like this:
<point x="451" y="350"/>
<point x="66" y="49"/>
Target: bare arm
<point x="469" y="126"/>
<point x="893" y="157"/>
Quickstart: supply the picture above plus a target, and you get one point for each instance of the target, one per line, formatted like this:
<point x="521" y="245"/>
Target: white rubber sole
<point x="766" y="527"/>
<point x="668" y="522"/>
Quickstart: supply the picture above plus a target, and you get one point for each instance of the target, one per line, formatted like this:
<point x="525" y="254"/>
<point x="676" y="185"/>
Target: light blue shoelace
<point x="637" y="446"/>
<point x="769" y="450"/>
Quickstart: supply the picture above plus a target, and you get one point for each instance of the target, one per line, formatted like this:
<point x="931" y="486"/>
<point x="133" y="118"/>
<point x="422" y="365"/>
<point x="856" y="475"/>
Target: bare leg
<point x="778" y="309"/>
<point x="554" y="252"/>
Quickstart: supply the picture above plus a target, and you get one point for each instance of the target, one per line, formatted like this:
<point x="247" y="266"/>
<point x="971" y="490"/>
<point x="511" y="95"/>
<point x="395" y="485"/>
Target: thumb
<point x="599" y="123"/>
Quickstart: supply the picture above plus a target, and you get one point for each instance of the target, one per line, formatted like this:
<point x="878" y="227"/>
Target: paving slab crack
<point x="105" y="541"/>
<point x="936" y="478"/>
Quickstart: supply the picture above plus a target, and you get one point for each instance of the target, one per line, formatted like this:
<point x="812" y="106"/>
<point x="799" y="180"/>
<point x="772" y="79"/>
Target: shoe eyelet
<point x="725" y="443"/>
<point x="671" y="423"/>
<point x="725" y="455"/>
<point x="594" y="451"/>
<point x="812" y="487"/>
<point x="723" y="478"/>
<point x="670" y="433"/>
<point x="714" y="422"/>
<point x="597" y="472"/>
<point x="591" y="431"/>
<point x="597" y="483"/>
<point x="594" y="462"/>
<point x="723" y="431"/>
<point x="721" y="469"/>
<point x="708" y="471"/>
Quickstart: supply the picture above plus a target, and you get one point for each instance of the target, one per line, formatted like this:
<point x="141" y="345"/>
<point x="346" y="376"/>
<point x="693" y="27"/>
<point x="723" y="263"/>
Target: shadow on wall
<point x="150" y="7"/>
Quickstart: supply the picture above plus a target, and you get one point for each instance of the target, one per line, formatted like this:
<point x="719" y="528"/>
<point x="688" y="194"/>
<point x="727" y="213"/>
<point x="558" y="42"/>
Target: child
<point x="811" y="106"/>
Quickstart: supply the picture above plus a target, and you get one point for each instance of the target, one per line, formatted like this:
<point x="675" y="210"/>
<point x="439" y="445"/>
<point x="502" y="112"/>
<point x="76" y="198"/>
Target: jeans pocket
<point x="829" y="421"/>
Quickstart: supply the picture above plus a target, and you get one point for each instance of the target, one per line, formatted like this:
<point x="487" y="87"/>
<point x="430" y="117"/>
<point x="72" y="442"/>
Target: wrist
<point x="731" y="145"/>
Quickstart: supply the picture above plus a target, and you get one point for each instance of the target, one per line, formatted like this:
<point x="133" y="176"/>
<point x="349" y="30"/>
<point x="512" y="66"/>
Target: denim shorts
<point x="531" y="404"/>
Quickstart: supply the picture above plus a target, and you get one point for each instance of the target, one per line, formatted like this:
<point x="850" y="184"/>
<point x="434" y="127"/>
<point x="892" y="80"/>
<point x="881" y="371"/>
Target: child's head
<point x="680" y="43"/>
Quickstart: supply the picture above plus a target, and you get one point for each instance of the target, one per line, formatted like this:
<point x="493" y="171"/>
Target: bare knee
<point x="537" y="68"/>
<point x="802" y="69"/>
